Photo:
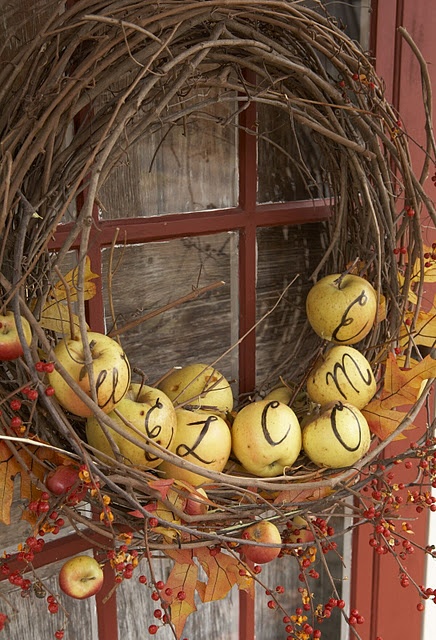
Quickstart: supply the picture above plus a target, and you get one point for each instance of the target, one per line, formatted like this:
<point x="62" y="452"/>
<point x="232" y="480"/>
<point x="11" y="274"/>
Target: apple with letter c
<point x="111" y="373"/>
<point x="10" y="345"/>
<point x="81" y="577"/>
<point x="266" y="437"/>
<point x="342" y="308"/>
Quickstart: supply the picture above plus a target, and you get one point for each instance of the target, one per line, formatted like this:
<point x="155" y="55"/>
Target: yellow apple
<point x="338" y="437"/>
<point x="266" y="437"/>
<point x="342" y="309"/>
<point x="343" y="373"/>
<point x="281" y="393"/>
<point x="10" y="345"/>
<point x="201" y="438"/>
<point x="110" y="367"/>
<point x="200" y="387"/>
<point x="151" y="412"/>
<point x="263" y="532"/>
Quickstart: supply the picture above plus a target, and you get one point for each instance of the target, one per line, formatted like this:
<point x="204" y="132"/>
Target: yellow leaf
<point x="429" y="271"/>
<point x="55" y="314"/>
<point x="424" y="332"/>
<point x="71" y="282"/>
<point x="55" y="317"/>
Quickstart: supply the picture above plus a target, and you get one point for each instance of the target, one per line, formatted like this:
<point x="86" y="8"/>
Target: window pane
<point x="214" y="620"/>
<point x="31" y="618"/>
<point x="150" y="276"/>
<point x="284" y="572"/>
<point x="187" y="164"/>
<point x="284" y="253"/>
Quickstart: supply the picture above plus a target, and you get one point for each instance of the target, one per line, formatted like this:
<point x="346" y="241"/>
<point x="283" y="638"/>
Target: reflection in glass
<point x="149" y="277"/>
<point x="187" y="164"/>
<point x="285" y="253"/>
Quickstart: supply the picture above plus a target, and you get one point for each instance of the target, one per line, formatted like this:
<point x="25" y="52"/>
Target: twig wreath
<point x="125" y="65"/>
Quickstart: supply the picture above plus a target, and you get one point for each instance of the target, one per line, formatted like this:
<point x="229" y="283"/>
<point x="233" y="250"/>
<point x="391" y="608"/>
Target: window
<point x="214" y="199"/>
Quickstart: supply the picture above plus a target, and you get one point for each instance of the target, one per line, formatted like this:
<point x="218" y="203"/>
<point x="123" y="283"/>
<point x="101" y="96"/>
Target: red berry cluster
<point x="430" y="257"/>
<point x="124" y="562"/>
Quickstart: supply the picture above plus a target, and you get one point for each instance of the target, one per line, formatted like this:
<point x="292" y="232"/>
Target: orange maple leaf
<point x="181" y="584"/>
<point x="222" y="571"/>
<point x="401" y="388"/>
<point x="31" y="457"/>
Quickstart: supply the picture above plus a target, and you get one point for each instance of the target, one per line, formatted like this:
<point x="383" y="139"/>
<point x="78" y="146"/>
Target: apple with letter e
<point x="199" y="386"/>
<point x="10" y="345"/>
<point x="81" y="577"/>
<point x="338" y="437"/>
<point x="201" y="438"/>
<point x="266" y="437"/>
<point x="342" y="308"/>
<point x="264" y="532"/>
<point x="111" y="373"/>
<point x="151" y="412"/>
<point x="343" y="373"/>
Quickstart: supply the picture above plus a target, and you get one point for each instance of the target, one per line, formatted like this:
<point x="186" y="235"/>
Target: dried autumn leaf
<point x="301" y="495"/>
<point x="401" y="388"/>
<point x="11" y="467"/>
<point x="71" y="283"/>
<point x="55" y="315"/>
<point x="424" y="332"/>
<point x="222" y="571"/>
<point x="181" y="583"/>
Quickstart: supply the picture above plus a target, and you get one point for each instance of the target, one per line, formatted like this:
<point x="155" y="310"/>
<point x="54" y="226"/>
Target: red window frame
<point x="389" y="612"/>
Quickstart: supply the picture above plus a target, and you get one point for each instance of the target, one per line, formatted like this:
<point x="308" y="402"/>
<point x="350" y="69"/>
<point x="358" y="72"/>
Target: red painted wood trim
<point x="390" y="610"/>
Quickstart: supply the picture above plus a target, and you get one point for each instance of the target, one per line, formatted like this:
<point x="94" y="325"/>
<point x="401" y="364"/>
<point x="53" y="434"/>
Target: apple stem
<point x="338" y="280"/>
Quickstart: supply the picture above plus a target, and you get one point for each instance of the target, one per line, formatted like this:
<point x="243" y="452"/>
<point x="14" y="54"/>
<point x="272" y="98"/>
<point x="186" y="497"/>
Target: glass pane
<point x="30" y="617"/>
<point x="214" y="620"/>
<point x="285" y="572"/>
<point x="284" y="253"/>
<point x="290" y="155"/>
<point x="149" y="277"/>
<point x="187" y="164"/>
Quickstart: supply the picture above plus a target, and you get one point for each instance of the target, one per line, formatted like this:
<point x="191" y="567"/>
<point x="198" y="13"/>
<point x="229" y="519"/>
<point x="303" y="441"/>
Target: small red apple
<point x="264" y="532"/>
<point x="65" y="480"/>
<point x="10" y="345"/>
<point x="195" y="505"/>
<point x="81" y="577"/>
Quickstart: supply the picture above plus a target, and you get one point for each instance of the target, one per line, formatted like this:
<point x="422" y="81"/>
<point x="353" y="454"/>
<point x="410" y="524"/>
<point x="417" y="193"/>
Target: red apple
<point x="81" y="577"/>
<point x="64" y="480"/>
<point x="195" y="505"/>
<point x="10" y="345"/>
<point x="264" y="532"/>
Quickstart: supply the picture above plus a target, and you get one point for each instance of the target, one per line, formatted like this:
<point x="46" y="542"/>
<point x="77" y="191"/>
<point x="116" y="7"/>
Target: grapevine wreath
<point x="152" y="53"/>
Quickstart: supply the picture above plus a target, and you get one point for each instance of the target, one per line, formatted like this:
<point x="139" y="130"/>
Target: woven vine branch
<point x="100" y="76"/>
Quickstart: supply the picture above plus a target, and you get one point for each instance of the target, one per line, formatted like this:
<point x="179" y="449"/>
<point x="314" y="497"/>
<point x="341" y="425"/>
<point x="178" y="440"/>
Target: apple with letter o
<point x="338" y="437"/>
<point x="81" y="577"/>
<point x="10" y="345"/>
<point x="266" y="437"/>
<point x="342" y="308"/>
<point x="111" y="373"/>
